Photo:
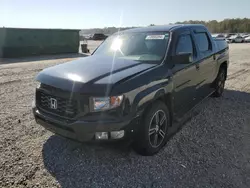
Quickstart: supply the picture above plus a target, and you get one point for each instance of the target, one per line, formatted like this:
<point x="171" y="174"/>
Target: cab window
<point x="203" y="42"/>
<point x="184" y="45"/>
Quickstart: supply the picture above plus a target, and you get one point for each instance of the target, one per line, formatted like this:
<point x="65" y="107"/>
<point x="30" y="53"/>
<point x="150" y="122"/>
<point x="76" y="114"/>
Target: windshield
<point x="144" y="47"/>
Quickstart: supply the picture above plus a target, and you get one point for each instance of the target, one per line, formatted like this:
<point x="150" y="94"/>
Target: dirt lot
<point x="212" y="149"/>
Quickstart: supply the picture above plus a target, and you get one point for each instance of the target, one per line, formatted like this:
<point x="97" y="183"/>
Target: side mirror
<point x="182" y="58"/>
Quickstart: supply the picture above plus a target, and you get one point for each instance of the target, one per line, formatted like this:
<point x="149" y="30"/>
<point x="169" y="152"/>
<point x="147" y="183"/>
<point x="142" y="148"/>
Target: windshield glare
<point x="145" y="47"/>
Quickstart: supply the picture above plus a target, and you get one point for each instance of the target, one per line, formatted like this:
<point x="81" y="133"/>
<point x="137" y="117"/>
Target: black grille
<point x="64" y="107"/>
<point x="51" y="88"/>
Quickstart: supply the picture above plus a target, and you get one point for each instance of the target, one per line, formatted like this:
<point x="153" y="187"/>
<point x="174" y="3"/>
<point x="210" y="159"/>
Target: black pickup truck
<point x="136" y="85"/>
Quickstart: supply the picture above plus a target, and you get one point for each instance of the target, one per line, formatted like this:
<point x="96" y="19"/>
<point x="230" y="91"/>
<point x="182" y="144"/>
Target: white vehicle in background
<point x="245" y="36"/>
<point x="218" y="36"/>
<point x="228" y="41"/>
<point x="236" y="39"/>
<point x="247" y="39"/>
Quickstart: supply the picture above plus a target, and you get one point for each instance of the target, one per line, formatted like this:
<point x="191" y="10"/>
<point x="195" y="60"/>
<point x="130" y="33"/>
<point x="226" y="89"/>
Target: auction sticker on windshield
<point x="155" y="37"/>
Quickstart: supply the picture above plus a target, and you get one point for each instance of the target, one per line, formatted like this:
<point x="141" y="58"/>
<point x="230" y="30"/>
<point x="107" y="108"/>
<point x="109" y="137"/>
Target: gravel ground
<point x="211" y="150"/>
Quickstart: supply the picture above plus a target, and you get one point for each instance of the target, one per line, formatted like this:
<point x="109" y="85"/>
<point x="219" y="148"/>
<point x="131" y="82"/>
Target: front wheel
<point x="220" y="83"/>
<point x="152" y="134"/>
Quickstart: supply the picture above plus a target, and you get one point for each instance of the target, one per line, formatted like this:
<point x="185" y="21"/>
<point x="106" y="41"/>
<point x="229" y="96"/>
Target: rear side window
<point x="184" y="45"/>
<point x="220" y="44"/>
<point x="202" y="42"/>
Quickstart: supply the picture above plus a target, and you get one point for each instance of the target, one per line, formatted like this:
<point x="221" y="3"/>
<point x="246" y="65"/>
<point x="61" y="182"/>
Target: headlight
<point x="38" y="85"/>
<point x="106" y="103"/>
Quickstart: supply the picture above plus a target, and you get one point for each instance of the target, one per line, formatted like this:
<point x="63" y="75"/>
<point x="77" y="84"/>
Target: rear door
<point x="184" y="75"/>
<point x="206" y="63"/>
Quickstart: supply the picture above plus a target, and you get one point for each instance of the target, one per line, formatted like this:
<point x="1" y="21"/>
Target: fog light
<point x="101" y="136"/>
<point x="117" y="134"/>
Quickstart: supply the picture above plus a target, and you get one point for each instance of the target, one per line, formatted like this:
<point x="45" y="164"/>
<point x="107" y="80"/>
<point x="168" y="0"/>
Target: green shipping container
<point x="26" y="42"/>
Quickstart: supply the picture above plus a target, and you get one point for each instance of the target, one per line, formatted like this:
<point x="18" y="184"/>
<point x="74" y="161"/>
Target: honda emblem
<point x="53" y="103"/>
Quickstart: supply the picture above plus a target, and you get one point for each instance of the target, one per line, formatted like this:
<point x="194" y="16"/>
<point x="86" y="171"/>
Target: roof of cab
<point x="162" y="28"/>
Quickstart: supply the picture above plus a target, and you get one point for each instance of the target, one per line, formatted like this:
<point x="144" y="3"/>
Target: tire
<point x="220" y="83"/>
<point x="152" y="134"/>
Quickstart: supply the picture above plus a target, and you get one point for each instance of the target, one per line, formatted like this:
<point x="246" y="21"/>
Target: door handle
<point x="197" y="66"/>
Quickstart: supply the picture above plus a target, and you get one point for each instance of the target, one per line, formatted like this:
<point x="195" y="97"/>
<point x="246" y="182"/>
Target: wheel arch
<point x="166" y="98"/>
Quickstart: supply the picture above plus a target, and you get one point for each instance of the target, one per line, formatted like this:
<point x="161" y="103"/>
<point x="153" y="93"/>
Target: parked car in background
<point x="229" y="35"/>
<point x="247" y="39"/>
<point x="245" y="36"/>
<point x="236" y="39"/>
<point x="137" y="85"/>
<point x="99" y="36"/>
<point x="85" y="37"/>
<point x="228" y="40"/>
<point x="218" y="35"/>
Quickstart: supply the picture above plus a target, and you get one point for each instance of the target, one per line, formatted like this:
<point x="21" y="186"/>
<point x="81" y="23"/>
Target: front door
<point x="185" y="77"/>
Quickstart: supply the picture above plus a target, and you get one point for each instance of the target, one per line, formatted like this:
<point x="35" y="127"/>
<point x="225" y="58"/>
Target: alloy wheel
<point x="157" y="128"/>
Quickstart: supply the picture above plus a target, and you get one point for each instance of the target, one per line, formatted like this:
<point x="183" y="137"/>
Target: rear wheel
<point x="220" y="83"/>
<point x="152" y="134"/>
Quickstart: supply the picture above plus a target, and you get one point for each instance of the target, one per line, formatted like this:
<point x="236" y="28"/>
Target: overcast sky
<point x="79" y="14"/>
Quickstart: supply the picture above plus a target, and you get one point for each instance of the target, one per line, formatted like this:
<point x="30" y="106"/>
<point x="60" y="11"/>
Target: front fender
<point x="150" y="94"/>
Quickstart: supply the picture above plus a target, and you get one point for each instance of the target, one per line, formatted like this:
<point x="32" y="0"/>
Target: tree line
<point x="226" y="26"/>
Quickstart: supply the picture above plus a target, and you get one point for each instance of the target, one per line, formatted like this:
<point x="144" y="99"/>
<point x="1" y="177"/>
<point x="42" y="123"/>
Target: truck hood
<point x="93" y="74"/>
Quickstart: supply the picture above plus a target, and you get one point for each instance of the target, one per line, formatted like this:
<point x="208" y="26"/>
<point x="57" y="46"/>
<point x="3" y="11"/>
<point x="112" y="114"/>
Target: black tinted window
<point x="184" y="45"/>
<point x="221" y="44"/>
<point x="202" y="41"/>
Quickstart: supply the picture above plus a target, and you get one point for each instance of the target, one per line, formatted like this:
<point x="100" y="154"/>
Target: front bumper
<point x="84" y="131"/>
